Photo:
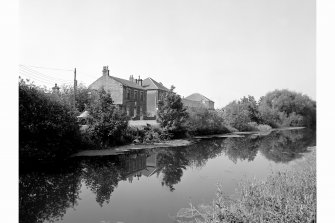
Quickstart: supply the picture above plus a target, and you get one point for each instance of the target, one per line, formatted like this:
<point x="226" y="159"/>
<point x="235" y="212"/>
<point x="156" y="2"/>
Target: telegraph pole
<point x="75" y="87"/>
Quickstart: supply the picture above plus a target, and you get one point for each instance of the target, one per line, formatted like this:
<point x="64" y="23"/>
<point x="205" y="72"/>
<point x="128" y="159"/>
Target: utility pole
<point x="75" y="87"/>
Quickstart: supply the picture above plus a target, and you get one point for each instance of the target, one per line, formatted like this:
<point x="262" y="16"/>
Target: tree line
<point x="49" y="129"/>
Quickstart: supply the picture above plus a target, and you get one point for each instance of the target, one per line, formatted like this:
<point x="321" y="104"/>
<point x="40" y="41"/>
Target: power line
<point x="49" y="68"/>
<point x="40" y="79"/>
<point x="42" y="74"/>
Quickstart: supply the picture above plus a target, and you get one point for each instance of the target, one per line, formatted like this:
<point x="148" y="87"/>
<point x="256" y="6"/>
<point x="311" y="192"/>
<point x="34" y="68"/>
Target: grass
<point x="287" y="196"/>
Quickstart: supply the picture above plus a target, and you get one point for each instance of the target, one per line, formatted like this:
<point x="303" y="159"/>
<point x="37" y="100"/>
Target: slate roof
<point x="127" y="83"/>
<point x="197" y="97"/>
<point x="151" y="84"/>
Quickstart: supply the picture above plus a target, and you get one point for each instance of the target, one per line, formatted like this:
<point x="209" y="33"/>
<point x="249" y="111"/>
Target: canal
<point x="151" y="185"/>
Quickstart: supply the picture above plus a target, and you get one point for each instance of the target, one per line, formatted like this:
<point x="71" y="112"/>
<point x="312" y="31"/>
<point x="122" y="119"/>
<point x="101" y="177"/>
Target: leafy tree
<point x="82" y="96"/>
<point x="238" y="114"/>
<point x="172" y="115"/>
<point x="48" y="127"/>
<point x="287" y="108"/>
<point x="108" y="124"/>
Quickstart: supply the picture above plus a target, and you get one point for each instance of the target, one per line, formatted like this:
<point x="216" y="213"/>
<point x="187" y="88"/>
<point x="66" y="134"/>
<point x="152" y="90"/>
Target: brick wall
<point x="111" y="86"/>
<point x="152" y="97"/>
<point x="134" y="105"/>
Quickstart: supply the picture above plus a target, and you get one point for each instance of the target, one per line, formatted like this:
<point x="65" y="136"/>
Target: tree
<point x="172" y="115"/>
<point x="47" y="127"/>
<point x="287" y="108"/>
<point x="82" y="96"/>
<point x="108" y="124"/>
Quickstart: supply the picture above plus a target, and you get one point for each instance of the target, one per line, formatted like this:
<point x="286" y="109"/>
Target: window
<point x="132" y="94"/>
<point x="141" y="110"/>
<point x="135" y="111"/>
<point x="135" y="95"/>
<point x="128" y="93"/>
<point x="141" y="95"/>
<point x="128" y="110"/>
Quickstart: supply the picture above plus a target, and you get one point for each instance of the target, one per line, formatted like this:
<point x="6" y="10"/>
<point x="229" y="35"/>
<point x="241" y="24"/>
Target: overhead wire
<point x="42" y="75"/>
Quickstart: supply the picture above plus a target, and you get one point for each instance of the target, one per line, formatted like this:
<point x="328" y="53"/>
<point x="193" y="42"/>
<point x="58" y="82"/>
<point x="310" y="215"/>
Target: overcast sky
<point x="223" y="49"/>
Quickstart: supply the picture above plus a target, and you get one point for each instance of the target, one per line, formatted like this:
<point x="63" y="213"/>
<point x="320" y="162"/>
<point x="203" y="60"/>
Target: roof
<point x="197" y="97"/>
<point x="151" y="84"/>
<point x="127" y="83"/>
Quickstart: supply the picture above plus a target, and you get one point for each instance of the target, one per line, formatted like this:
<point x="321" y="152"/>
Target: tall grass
<point x="287" y="196"/>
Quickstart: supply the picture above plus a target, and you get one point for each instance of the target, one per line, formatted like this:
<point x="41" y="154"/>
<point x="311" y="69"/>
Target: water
<point x="152" y="185"/>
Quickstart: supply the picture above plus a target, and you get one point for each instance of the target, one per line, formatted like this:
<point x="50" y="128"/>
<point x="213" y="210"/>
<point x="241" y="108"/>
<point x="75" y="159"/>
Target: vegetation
<point x="288" y="196"/>
<point x="47" y="126"/>
<point x="172" y="115"/>
<point x="83" y="97"/>
<point x="279" y="108"/>
<point x="286" y="108"/>
<point x="202" y="121"/>
<point x="107" y="124"/>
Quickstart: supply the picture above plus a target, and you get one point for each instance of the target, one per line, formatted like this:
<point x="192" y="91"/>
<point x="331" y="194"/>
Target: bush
<point x="48" y="128"/>
<point x="205" y="122"/>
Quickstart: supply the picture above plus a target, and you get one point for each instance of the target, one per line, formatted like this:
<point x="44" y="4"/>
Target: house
<point x="197" y="100"/>
<point x="129" y="95"/>
<point x="155" y="91"/>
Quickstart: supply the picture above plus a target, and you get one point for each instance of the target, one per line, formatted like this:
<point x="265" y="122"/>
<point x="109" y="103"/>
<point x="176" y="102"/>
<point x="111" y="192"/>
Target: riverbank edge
<point x="173" y="143"/>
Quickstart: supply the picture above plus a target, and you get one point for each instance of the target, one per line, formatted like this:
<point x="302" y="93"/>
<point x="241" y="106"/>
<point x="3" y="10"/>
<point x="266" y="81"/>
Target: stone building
<point x="128" y="95"/>
<point x="197" y="100"/>
<point x="155" y="91"/>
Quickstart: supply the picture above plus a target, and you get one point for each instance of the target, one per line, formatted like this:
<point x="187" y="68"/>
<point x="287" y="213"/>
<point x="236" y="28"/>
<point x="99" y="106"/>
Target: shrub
<point x="204" y="122"/>
<point x="48" y="128"/>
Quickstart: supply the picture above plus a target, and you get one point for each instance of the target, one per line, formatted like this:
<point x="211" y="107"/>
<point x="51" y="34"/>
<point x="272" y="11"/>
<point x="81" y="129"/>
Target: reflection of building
<point x="136" y="165"/>
<point x="197" y="100"/>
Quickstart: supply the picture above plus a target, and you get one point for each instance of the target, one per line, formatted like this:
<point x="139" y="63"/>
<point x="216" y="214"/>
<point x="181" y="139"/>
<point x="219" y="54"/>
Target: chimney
<point x="105" y="71"/>
<point x="139" y="80"/>
<point x="55" y="89"/>
<point x="131" y="78"/>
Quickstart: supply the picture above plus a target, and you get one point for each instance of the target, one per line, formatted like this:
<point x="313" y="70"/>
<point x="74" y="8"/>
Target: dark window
<point x="141" y="96"/>
<point x="132" y="94"/>
<point x="136" y="95"/>
<point x="128" y="94"/>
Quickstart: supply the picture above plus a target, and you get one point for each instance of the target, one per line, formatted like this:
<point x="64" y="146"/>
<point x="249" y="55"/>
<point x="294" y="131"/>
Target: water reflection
<point x="45" y="196"/>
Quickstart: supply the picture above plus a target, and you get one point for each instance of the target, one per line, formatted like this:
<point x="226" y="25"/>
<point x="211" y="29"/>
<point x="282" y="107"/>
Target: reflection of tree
<point x="286" y="146"/>
<point x="241" y="148"/>
<point x="171" y="163"/>
<point x="101" y="176"/>
<point x="45" y="196"/>
<point x="199" y="153"/>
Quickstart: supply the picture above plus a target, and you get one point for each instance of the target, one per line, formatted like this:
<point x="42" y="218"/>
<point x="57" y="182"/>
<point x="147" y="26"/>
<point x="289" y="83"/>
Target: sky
<point x="223" y="49"/>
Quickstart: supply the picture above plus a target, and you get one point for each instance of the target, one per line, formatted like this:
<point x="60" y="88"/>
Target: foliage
<point x="172" y="115"/>
<point x="148" y="134"/>
<point x="47" y="127"/>
<point x="82" y="96"/>
<point x="288" y="196"/>
<point x="202" y="121"/>
<point x="287" y="108"/>
<point x="107" y="124"/>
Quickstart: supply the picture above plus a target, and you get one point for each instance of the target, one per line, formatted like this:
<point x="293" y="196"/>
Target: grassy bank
<point x="288" y="196"/>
